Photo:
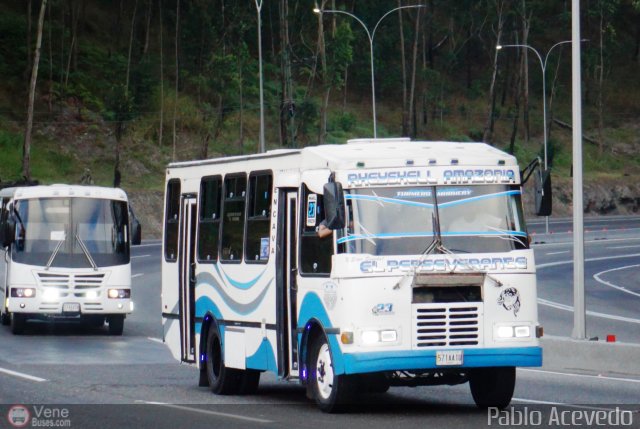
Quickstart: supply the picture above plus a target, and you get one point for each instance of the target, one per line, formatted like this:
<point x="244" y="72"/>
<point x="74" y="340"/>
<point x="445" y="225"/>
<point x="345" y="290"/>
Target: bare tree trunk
<point x="517" y="96"/>
<point x="161" y="127"/>
<point x="26" y="150"/>
<point x="50" y="40"/>
<point x="526" y="26"/>
<point x="133" y="27"/>
<point x="322" y="132"/>
<point x="552" y="93"/>
<point x="403" y="62"/>
<point x="75" y="17"/>
<point x="414" y="60"/>
<point x="487" y="136"/>
<point x="601" y="84"/>
<point x="145" y="49"/>
<point x="241" y="118"/>
<point x="27" y="71"/>
<point x="175" y="104"/>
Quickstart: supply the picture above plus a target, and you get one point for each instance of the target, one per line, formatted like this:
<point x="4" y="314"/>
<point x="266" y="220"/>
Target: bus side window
<point x="235" y="196"/>
<point x="258" y="217"/>
<point x="209" y="218"/>
<point x="315" y="252"/>
<point x="172" y="221"/>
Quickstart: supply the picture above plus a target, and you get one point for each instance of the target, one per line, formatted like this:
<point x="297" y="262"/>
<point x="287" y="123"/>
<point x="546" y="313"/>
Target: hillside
<point x="110" y="94"/>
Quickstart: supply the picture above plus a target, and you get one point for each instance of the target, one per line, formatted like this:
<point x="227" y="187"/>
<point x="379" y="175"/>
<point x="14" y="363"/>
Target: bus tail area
<point x="353" y="268"/>
<point x="66" y="255"/>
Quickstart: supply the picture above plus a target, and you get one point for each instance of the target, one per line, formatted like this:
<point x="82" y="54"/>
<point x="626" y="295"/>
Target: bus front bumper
<point x="357" y="363"/>
<point x="69" y="308"/>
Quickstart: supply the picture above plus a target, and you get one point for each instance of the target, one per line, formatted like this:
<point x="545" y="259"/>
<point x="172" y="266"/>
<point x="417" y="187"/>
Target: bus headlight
<point x="375" y="337"/>
<point x="92" y="294"/>
<point x="119" y="293"/>
<point x="50" y="294"/>
<point x="23" y="292"/>
<point x="516" y="331"/>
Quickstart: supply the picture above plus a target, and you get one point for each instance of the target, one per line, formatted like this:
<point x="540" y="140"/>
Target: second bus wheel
<point x="492" y="387"/>
<point x="116" y="324"/>
<point x="332" y="392"/>
<point x="222" y="380"/>
<point x="17" y="323"/>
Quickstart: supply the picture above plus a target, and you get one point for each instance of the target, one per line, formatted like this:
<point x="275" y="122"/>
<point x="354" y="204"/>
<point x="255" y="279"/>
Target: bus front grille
<point x="70" y="281"/>
<point x="446" y="326"/>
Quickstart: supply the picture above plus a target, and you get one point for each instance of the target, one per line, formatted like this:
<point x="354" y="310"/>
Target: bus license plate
<point x="71" y="307"/>
<point x="449" y="357"/>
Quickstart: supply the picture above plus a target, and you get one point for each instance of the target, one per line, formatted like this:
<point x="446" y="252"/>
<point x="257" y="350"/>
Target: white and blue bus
<point x="426" y="276"/>
<point x="66" y="255"/>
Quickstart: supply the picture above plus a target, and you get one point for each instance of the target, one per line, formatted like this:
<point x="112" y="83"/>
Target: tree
<point x="26" y="150"/>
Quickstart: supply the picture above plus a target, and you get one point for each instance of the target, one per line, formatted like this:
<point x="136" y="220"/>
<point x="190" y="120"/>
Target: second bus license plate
<point x="449" y="357"/>
<point x="71" y="307"/>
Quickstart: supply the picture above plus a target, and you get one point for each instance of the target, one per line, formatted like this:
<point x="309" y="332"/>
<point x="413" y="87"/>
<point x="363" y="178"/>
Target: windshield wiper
<point x="86" y="253"/>
<point x="54" y="254"/>
<point x="436" y="244"/>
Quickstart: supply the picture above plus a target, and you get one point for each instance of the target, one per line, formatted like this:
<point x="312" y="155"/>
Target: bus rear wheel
<point x="116" y="324"/>
<point x="492" y="387"/>
<point x="332" y="392"/>
<point x="222" y="380"/>
<point x="5" y="319"/>
<point x="17" y="323"/>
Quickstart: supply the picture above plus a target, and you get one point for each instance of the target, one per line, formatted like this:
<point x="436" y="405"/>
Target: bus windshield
<point x="406" y="221"/>
<point x="71" y="232"/>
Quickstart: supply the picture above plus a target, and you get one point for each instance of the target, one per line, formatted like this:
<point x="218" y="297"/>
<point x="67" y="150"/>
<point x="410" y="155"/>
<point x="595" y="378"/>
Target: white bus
<point x="426" y="277"/>
<point x="65" y="255"/>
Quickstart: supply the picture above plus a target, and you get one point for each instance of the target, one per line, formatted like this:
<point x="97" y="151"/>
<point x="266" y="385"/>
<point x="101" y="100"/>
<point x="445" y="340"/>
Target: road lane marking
<point x="22" y="375"/>
<point x="561" y="404"/>
<point x="557" y="253"/>
<point x="570" y="243"/>
<point x="559" y="306"/>
<point x="155" y="340"/>
<point x="602" y="258"/>
<point x="140" y="256"/>
<point x="624" y="247"/>
<point x="137" y="275"/>
<point x="620" y="288"/>
<point x="208" y="412"/>
<point x="570" y="374"/>
<point x="147" y="245"/>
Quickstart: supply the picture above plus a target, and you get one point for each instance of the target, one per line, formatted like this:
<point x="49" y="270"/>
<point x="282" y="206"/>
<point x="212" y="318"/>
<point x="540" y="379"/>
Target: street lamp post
<point x="543" y="66"/>
<point x="261" y="143"/>
<point x="370" y="35"/>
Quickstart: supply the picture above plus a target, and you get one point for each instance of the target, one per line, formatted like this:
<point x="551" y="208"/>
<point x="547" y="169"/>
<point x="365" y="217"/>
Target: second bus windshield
<point x="404" y="221"/>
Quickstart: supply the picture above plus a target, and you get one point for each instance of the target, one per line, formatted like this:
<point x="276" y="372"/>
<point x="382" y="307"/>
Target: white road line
<point x="148" y="245"/>
<point x="589" y="313"/>
<point x="624" y="247"/>
<point x="137" y="275"/>
<point x="603" y="258"/>
<point x="208" y="412"/>
<point x="22" y="375"/>
<point x="155" y="340"/>
<point x="557" y="253"/>
<point x="620" y="288"/>
<point x="570" y="374"/>
<point x="560" y="404"/>
<point x="140" y="256"/>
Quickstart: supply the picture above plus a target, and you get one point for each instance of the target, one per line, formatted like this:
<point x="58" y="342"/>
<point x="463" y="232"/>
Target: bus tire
<point x="222" y="380"/>
<point x="116" y="324"/>
<point x="17" y="323"/>
<point x="5" y="319"/>
<point x="331" y="392"/>
<point x="492" y="387"/>
<point x="93" y="321"/>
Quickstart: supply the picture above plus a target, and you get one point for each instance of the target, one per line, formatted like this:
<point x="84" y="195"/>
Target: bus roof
<point x="61" y="190"/>
<point x="377" y="153"/>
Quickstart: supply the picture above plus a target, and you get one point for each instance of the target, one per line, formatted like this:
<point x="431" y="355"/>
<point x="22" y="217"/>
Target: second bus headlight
<point x="119" y="293"/>
<point x="23" y="292"/>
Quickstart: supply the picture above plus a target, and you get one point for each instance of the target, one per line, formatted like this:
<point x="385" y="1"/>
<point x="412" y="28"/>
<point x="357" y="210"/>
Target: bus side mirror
<point x="136" y="232"/>
<point x="334" y="205"/>
<point x="8" y="231"/>
<point x="543" y="192"/>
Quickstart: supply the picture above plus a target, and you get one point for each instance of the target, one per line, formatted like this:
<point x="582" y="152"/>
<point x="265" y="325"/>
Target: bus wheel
<point x="331" y="392"/>
<point x="5" y="319"/>
<point x="93" y="321"/>
<point x="17" y="323"/>
<point x="116" y="324"/>
<point x="222" y="380"/>
<point x="492" y="387"/>
<point x="249" y="382"/>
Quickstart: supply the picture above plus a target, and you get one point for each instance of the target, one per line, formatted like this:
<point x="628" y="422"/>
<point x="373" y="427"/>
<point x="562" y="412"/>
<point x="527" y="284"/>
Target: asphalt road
<point x="132" y="381"/>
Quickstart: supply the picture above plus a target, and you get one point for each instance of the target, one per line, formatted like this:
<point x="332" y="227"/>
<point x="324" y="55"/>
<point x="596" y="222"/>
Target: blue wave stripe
<point x="478" y="198"/>
<point x="388" y="200"/>
<point x="238" y="284"/>
<point x="355" y="237"/>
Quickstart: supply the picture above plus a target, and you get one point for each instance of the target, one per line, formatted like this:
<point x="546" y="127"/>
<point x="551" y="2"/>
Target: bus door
<point x="187" y="246"/>
<point x="291" y="276"/>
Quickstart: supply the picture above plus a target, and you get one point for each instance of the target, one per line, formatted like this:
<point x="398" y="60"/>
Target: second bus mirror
<point x="334" y="205"/>
<point x="543" y="192"/>
<point x="136" y="232"/>
<point x="7" y="234"/>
